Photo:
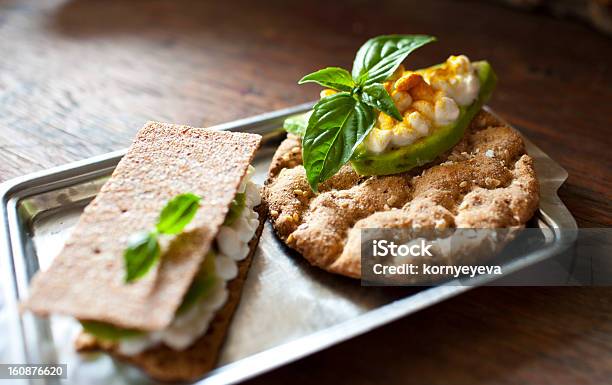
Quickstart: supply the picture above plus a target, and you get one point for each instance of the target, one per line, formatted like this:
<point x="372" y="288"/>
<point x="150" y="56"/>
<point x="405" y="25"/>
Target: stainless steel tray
<point x="288" y="309"/>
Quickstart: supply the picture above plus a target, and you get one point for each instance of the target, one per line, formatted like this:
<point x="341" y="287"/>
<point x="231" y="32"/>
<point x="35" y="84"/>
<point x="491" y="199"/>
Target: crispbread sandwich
<point x="389" y="148"/>
<point x="154" y="268"/>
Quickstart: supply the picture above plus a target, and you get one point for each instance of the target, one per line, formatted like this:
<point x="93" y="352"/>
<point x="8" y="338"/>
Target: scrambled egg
<point x="426" y="99"/>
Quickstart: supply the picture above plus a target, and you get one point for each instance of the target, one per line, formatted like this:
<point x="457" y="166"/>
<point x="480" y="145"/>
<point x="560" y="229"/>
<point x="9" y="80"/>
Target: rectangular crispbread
<point x="86" y="280"/>
<point x="165" y="364"/>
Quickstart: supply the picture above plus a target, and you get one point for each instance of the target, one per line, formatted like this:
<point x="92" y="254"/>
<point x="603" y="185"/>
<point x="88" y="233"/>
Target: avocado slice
<point x="106" y="331"/>
<point x="202" y="283"/>
<point x="297" y="124"/>
<point x="235" y="210"/>
<point x="427" y="148"/>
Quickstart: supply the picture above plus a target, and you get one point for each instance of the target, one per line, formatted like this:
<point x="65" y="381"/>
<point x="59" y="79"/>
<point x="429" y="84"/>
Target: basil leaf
<point x="379" y="57"/>
<point x="140" y="255"/>
<point x="338" y="124"/>
<point x="297" y="124"/>
<point x="375" y="95"/>
<point x="331" y="77"/>
<point x="177" y="213"/>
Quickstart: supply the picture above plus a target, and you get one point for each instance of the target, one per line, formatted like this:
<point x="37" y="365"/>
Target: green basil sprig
<point x="379" y="57"/>
<point x="143" y="249"/>
<point x="340" y="122"/>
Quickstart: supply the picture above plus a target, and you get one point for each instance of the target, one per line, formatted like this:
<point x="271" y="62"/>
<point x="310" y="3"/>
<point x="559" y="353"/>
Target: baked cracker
<point x="164" y="364"/>
<point x="86" y="280"/>
<point x="485" y="181"/>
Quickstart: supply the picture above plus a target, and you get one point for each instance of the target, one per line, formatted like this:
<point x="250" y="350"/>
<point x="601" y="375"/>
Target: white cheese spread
<point x="232" y="246"/>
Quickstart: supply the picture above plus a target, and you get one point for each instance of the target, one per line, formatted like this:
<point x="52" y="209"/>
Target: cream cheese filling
<point x="232" y="244"/>
<point x="426" y="104"/>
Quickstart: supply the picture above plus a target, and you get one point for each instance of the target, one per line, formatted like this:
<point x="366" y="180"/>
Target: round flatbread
<point x="485" y="181"/>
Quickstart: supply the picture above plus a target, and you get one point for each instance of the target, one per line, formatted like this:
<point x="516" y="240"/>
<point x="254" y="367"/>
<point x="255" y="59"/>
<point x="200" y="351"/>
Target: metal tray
<point x="288" y="308"/>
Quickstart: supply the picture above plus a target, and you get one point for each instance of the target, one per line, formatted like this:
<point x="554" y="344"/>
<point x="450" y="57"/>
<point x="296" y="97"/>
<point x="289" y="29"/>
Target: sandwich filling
<point x="443" y="101"/>
<point x="436" y="105"/>
<point x="427" y="99"/>
<point x="208" y="292"/>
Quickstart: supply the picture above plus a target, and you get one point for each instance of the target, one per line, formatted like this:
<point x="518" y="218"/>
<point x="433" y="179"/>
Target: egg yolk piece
<point x="427" y="99"/>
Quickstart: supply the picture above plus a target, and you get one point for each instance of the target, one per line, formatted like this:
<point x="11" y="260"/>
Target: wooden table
<point x="78" y="78"/>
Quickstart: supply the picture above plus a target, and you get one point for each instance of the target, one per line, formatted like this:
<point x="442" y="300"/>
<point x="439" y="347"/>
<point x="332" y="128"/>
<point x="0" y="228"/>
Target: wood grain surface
<point x="78" y="78"/>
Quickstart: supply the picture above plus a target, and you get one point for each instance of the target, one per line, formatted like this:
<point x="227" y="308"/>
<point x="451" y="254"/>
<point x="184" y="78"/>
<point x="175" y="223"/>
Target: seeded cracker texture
<point x="86" y="280"/>
<point x="485" y="181"/>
